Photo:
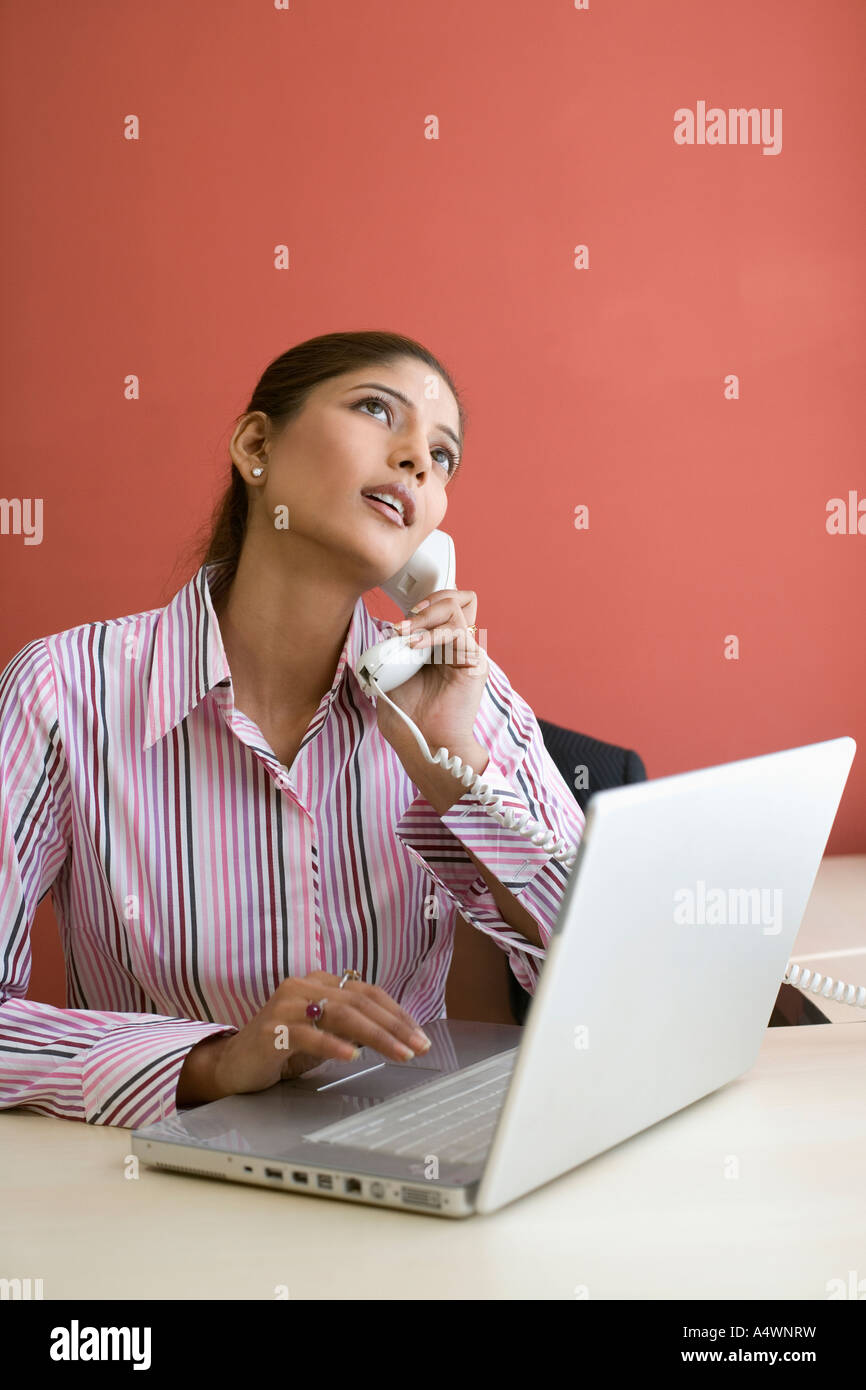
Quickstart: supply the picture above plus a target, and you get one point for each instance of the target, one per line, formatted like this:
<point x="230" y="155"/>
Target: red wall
<point x="307" y="126"/>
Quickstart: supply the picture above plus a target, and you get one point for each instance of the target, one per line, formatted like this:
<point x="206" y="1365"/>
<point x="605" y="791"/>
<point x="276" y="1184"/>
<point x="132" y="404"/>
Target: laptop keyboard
<point x="453" y="1118"/>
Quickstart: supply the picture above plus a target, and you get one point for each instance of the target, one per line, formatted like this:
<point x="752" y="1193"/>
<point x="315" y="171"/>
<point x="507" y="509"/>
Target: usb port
<point x="299" y="1177"/>
<point x="273" y="1173"/>
<point x="325" y="1180"/>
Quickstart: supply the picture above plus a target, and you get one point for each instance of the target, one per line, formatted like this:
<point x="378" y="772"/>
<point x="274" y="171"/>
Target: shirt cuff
<point x="129" y="1077"/>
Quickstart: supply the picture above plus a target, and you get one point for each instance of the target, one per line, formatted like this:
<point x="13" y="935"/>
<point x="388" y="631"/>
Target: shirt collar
<point x="189" y="657"/>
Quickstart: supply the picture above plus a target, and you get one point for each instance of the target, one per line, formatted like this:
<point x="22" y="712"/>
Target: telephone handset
<point x="392" y="661"/>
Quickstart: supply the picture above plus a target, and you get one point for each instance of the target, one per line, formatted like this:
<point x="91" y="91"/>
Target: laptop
<point x="675" y="928"/>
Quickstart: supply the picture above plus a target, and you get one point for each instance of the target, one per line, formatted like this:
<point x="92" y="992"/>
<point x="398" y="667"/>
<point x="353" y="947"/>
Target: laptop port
<point x="377" y="1189"/>
<point x="351" y="1185"/>
<point x="300" y="1177"/>
<point x="274" y="1173"/>
<point x="421" y="1196"/>
<point x="325" y="1180"/>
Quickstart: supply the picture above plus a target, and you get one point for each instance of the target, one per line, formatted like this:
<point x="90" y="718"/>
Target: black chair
<point x="607" y="765"/>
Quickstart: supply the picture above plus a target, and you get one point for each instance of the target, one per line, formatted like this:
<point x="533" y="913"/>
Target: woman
<point x="244" y="850"/>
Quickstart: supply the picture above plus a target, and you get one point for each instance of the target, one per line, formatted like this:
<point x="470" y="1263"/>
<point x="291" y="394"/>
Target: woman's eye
<point x="374" y="400"/>
<point x="450" y="464"/>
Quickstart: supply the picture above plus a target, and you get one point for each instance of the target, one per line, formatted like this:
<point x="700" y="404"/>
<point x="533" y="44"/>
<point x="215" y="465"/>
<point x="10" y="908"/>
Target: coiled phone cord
<point x="805" y="980"/>
<point x="826" y="986"/>
<point x="492" y="804"/>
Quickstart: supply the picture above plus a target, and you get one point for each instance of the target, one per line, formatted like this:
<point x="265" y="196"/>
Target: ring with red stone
<point x="315" y="1011"/>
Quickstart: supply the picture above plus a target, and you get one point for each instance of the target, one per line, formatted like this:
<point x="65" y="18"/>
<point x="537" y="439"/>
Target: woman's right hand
<point x="281" y="1042"/>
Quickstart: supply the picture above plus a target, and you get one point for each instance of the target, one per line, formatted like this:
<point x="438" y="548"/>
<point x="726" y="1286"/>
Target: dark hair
<point x="282" y="392"/>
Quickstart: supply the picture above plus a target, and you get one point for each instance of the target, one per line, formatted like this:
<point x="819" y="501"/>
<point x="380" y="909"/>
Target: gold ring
<point x="473" y="629"/>
<point x="349" y="975"/>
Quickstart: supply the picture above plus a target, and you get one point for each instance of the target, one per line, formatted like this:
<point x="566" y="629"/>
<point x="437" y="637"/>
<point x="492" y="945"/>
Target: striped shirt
<point x="191" y="872"/>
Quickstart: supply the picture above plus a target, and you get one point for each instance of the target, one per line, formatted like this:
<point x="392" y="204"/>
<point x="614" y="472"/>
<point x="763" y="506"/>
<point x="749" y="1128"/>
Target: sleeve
<point x="523" y="773"/>
<point x="79" y="1064"/>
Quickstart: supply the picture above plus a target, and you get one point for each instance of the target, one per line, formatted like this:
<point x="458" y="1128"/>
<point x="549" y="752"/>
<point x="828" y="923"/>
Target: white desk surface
<point x="657" y="1217"/>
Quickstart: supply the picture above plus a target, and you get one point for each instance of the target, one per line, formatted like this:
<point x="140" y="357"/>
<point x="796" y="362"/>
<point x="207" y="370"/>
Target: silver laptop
<point x="674" y="932"/>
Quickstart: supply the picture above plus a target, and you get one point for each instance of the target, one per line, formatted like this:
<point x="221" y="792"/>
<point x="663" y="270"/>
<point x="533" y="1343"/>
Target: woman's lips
<point x="387" y="511"/>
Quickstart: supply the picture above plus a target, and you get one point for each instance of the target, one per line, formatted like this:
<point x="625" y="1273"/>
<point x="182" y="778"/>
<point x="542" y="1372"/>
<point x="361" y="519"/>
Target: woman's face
<point x="346" y="442"/>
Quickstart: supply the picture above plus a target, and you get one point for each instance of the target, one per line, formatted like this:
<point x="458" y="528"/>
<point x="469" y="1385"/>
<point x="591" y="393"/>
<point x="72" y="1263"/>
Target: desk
<point x="655" y="1218"/>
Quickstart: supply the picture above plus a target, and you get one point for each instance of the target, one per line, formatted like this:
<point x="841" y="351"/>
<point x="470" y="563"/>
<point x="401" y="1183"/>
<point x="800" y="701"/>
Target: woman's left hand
<point x="442" y="699"/>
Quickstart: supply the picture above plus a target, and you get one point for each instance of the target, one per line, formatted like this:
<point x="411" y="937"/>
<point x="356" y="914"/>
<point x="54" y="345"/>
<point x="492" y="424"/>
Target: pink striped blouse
<point x="191" y="872"/>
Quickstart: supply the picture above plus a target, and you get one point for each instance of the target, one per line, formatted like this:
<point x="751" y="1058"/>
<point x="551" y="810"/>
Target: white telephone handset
<point x="391" y="662"/>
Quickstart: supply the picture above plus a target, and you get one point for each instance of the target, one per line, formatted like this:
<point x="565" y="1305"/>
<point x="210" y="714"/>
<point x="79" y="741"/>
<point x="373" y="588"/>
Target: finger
<point x="364" y="1022"/>
<point x="374" y="992"/>
<point x="436" y="626"/>
<point x="461" y="595"/>
<point x="456" y="607"/>
<point x="308" y="1046"/>
<point x="383" y="999"/>
<point x="454" y="646"/>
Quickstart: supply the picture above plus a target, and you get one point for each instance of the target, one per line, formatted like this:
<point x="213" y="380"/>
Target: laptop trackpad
<point x="378" y="1080"/>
